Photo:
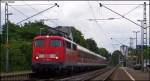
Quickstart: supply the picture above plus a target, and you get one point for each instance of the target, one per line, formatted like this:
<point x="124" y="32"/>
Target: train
<point x="59" y="54"/>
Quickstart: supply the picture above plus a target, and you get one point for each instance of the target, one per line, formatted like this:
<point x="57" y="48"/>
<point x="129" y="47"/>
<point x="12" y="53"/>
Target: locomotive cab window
<point x="55" y="43"/>
<point x="39" y="43"/>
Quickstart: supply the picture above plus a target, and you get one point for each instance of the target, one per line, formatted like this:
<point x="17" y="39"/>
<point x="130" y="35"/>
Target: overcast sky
<point x="77" y="13"/>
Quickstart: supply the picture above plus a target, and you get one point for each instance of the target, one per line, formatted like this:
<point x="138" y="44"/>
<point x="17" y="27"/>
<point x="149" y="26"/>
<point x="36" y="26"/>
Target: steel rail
<point x="86" y="76"/>
<point x="15" y="76"/>
<point x="110" y="74"/>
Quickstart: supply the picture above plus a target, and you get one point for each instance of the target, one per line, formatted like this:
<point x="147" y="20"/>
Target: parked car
<point x="137" y="66"/>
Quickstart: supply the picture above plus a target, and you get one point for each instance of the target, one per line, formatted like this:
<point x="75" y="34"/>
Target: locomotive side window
<point x="39" y="43"/>
<point x="74" y="47"/>
<point x="55" y="43"/>
<point x="68" y="44"/>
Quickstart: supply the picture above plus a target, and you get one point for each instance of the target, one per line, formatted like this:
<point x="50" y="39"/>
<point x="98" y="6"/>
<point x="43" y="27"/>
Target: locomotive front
<point x="48" y="53"/>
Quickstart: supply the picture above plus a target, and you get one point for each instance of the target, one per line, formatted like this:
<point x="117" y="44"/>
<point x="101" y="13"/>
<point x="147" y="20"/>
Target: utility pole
<point x="136" y="32"/>
<point x="144" y="35"/>
<point x="0" y="20"/>
<point x="131" y="42"/>
<point x="149" y="37"/>
<point x="7" y="49"/>
<point x="142" y="42"/>
<point x="7" y="36"/>
<point x="131" y="53"/>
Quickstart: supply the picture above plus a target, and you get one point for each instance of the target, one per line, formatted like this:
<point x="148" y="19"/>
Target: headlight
<point x="56" y="57"/>
<point x="36" y="57"/>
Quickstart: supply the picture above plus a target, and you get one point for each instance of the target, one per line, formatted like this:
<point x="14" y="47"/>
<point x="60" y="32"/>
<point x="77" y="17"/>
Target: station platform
<point x="138" y="74"/>
<point x="125" y="74"/>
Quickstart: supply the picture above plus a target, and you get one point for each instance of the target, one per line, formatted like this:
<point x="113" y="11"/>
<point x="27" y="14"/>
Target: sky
<point x="78" y="13"/>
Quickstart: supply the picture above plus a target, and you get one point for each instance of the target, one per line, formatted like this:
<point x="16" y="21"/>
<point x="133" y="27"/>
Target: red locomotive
<point x="56" y="53"/>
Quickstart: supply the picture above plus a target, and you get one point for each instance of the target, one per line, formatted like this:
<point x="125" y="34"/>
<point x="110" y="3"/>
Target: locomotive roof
<point x="47" y="36"/>
<point x="86" y="50"/>
<point x="78" y="46"/>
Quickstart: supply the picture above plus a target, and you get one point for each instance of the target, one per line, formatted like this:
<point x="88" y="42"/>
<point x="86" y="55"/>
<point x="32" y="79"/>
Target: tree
<point x="104" y="52"/>
<point x="78" y="37"/>
<point x="91" y="45"/>
<point x="12" y="29"/>
<point x="31" y="29"/>
<point x="20" y="41"/>
<point x="115" y="57"/>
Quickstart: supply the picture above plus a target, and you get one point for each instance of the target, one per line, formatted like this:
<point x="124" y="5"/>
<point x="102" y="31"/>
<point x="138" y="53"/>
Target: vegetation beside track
<point x="20" y="44"/>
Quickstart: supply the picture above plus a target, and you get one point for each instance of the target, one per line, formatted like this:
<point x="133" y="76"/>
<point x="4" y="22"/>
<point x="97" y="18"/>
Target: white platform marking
<point x="129" y="75"/>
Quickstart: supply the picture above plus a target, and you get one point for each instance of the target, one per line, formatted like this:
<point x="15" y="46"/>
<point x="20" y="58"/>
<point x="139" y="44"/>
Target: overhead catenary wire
<point x="138" y="5"/>
<point x="95" y="17"/>
<point x="38" y="13"/>
<point x="104" y="33"/>
<point x="123" y="14"/>
<point x="18" y="11"/>
<point x="125" y="4"/>
<point x="33" y="8"/>
<point x="29" y="5"/>
<point x="129" y="11"/>
<point x="120" y="15"/>
<point x="118" y="41"/>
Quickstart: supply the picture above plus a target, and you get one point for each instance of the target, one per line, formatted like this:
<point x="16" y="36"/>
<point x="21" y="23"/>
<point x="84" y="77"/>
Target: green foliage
<point x="78" y="37"/>
<point x="115" y="57"/>
<point x="12" y="31"/>
<point x="147" y="53"/>
<point x="2" y="58"/>
<point x="20" y="50"/>
<point x="91" y="45"/>
<point x="138" y="52"/>
<point x="20" y="42"/>
<point x="104" y="52"/>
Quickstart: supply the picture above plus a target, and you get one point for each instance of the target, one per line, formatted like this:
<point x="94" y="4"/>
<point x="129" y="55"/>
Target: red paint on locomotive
<point x="62" y="52"/>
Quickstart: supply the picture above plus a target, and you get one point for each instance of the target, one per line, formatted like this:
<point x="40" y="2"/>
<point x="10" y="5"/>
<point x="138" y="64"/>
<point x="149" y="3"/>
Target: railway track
<point x="109" y="74"/>
<point x="29" y="76"/>
<point x="90" y="75"/>
<point x="16" y="76"/>
<point x="75" y="77"/>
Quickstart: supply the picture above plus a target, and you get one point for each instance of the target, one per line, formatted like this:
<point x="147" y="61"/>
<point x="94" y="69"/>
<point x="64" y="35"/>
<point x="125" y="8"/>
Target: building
<point x="65" y="31"/>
